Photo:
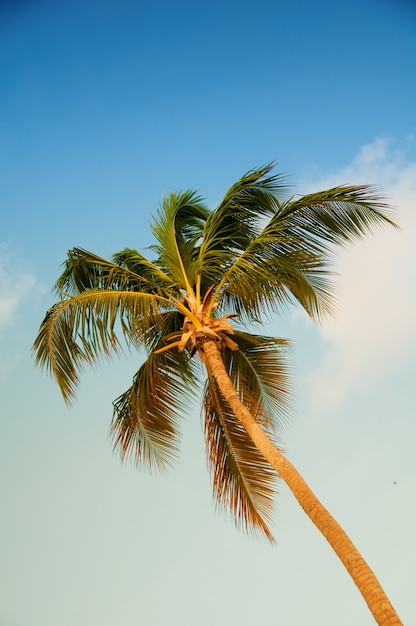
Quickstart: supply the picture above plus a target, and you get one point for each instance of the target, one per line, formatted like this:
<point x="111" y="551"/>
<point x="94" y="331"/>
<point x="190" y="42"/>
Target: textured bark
<point x="360" y="572"/>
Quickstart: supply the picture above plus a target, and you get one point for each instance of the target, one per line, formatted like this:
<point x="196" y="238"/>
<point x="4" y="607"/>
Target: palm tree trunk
<point x="362" y="575"/>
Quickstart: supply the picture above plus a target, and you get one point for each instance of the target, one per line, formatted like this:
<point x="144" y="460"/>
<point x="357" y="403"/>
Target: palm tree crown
<point x="211" y="275"/>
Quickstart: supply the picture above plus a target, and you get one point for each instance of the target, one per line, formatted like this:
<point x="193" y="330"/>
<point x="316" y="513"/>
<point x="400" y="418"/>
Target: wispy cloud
<point x="375" y="329"/>
<point x="17" y="285"/>
<point x="18" y="288"/>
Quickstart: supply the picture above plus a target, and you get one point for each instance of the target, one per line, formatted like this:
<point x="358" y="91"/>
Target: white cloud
<point x="16" y="286"/>
<point x="375" y="329"/>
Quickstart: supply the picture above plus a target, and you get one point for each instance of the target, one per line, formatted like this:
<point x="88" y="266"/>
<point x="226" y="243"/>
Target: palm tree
<point x="258" y="251"/>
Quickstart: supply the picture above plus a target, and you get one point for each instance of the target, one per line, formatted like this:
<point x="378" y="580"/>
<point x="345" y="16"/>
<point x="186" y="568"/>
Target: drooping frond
<point x="260" y="374"/>
<point x="79" y="329"/>
<point x="177" y="228"/>
<point x="242" y="480"/>
<point x="130" y="271"/>
<point x="290" y="258"/>
<point x="146" y="417"/>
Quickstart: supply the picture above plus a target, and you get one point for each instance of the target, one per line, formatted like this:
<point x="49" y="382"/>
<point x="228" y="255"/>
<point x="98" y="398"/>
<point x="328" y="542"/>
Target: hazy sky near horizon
<point x="104" y="106"/>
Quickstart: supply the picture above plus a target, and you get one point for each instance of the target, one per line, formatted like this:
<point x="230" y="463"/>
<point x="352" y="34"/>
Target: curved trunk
<point x="362" y="575"/>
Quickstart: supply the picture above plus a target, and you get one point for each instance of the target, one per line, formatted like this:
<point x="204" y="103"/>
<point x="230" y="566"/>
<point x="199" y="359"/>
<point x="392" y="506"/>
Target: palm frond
<point x="177" y="228"/>
<point x="334" y="216"/>
<point x="79" y="329"/>
<point x="260" y="374"/>
<point x="260" y="285"/>
<point x="130" y="271"/>
<point x="242" y="479"/>
<point x="237" y="220"/>
<point x="290" y="259"/>
<point x="139" y="265"/>
<point x="146" y="417"/>
<point x="158" y="328"/>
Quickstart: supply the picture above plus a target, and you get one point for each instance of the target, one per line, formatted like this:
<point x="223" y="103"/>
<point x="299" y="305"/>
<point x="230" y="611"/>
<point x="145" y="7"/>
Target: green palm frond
<point x="290" y="259"/>
<point x="149" y="273"/>
<point x="146" y="417"/>
<point x="79" y="329"/>
<point x="177" y="228"/>
<point x="278" y="282"/>
<point x="334" y="216"/>
<point x="130" y="271"/>
<point x="238" y="219"/>
<point x="242" y="480"/>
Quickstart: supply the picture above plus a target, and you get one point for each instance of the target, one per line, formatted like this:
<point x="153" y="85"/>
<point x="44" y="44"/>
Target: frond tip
<point x="79" y="329"/>
<point x="243" y="481"/>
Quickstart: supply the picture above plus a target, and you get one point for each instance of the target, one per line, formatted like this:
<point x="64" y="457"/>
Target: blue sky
<point x="104" y="106"/>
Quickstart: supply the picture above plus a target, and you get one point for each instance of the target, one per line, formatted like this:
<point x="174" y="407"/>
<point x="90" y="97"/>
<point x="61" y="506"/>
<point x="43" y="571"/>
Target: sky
<point x="104" y="107"/>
